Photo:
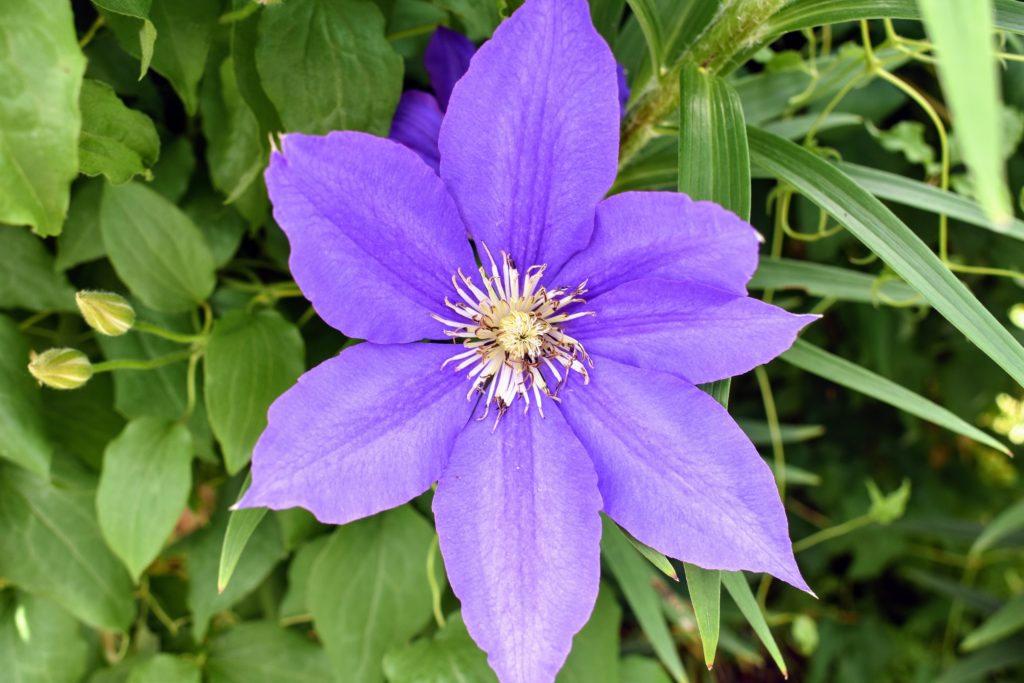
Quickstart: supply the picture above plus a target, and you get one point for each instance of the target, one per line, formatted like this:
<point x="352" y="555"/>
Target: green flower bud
<point x="105" y="312"/>
<point x="61" y="368"/>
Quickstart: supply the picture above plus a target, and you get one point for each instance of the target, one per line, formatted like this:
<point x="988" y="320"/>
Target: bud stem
<point x="149" y="328"/>
<point x="140" y="364"/>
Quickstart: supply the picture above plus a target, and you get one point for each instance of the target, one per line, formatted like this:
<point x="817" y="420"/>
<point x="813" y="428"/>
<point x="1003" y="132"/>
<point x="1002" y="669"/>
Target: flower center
<point x="511" y="333"/>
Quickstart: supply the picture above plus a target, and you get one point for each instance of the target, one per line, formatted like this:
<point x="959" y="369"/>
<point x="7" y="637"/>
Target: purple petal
<point x="624" y="92"/>
<point x="529" y="143"/>
<point x="677" y="473"/>
<point x="517" y="513"/>
<point x="665" y="235"/>
<point x="362" y="432"/>
<point x="416" y="125"/>
<point x="699" y="333"/>
<point x="375" y="237"/>
<point x="447" y="59"/>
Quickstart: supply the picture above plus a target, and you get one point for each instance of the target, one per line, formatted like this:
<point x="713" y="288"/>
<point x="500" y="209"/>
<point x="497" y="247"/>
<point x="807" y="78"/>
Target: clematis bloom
<point x="578" y="341"/>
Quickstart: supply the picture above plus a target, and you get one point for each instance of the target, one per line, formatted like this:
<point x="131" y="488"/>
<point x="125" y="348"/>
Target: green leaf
<point x="50" y="544"/>
<point x="713" y="161"/>
<point x="637" y="669"/>
<point x="147" y="475"/>
<point x="29" y="278"/>
<point x="759" y="432"/>
<point x="661" y="562"/>
<point x="262" y="553"/>
<point x="244" y="34"/>
<point x="902" y="190"/>
<point x="115" y="141"/>
<point x="818" y="279"/>
<point x="884" y="234"/>
<point x="449" y="656"/>
<point x="368" y="590"/>
<point x="607" y="16"/>
<point x="164" y="668"/>
<point x="633" y="575"/>
<point x="979" y="665"/>
<point x="819" y="362"/>
<point x="594" y="657"/>
<point x="1007" y="620"/>
<point x="261" y="652"/>
<point x="250" y="360"/>
<point x="173" y="171"/>
<point x="236" y="149"/>
<point x="241" y="525"/>
<point x="222" y="226"/>
<point x="138" y="9"/>
<point x="326" y="65"/>
<point x="294" y="602"/>
<point x="480" y="17"/>
<point x="961" y="33"/>
<point x="1006" y="522"/>
<point x="155" y="248"/>
<point x="41" y="71"/>
<point x="705" y="586"/>
<point x="39" y="642"/>
<point x="22" y="432"/>
<point x="646" y="14"/>
<point x="83" y="421"/>
<point x="744" y="599"/>
<point x="81" y="241"/>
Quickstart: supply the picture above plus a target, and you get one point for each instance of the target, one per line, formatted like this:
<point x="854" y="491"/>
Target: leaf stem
<point x="157" y="331"/>
<point x="832" y="532"/>
<point x="141" y="364"/>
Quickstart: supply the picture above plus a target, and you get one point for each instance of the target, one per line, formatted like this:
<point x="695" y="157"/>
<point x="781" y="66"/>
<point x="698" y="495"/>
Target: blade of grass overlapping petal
<point x="888" y="237"/>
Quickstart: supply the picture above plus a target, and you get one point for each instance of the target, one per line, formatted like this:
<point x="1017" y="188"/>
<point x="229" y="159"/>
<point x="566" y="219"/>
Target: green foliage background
<point x="875" y="144"/>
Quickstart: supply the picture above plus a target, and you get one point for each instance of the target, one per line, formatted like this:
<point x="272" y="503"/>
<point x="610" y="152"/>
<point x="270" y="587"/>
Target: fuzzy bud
<point x="105" y="312"/>
<point x="61" y="368"/>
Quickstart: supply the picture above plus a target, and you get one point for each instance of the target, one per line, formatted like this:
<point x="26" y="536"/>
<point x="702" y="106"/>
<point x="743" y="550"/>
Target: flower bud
<point x="105" y="312"/>
<point x="61" y="368"/>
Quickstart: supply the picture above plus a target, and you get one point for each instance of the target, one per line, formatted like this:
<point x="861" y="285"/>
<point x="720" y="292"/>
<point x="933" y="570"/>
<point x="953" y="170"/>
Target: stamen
<point x="512" y="335"/>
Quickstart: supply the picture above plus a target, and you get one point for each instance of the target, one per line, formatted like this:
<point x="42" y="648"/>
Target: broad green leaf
<point x="155" y="248"/>
<point x="83" y="421"/>
<point x="1006" y="522"/>
<point x="241" y="525"/>
<point x="633" y="575"/>
<point x="326" y="65"/>
<point x="41" y="74"/>
<point x="22" y="431"/>
<point x="262" y="553"/>
<point x="607" y="16"/>
<point x="744" y="599"/>
<point x="964" y="46"/>
<point x="222" y="226"/>
<point x="594" y="657"/>
<point x="50" y="544"/>
<point x="236" y="150"/>
<point x="368" y="590"/>
<point x="637" y="669"/>
<point x="29" y="278"/>
<point x="1007" y="620"/>
<point x="819" y="362"/>
<point x="902" y="190"/>
<point x="164" y="668"/>
<point x="173" y="171"/>
<point x="705" y="586"/>
<point x="80" y="240"/>
<point x="115" y="141"/>
<point x="713" y="160"/>
<point x="244" y="35"/>
<point x="884" y="234"/>
<point x="250" y="360"/>
<point x="260" y="652"/>
<point x="480" y="17"/>
<point x="147" y="475"/>
<point x="45" y="647"/>
<point x="818" y="279"/>
<point x="159" y="392"/>
<point x="646" y="14"/>
<point x="294" y="602"/>
<point x="138" y="9"/>
<point x="448" y="657"/>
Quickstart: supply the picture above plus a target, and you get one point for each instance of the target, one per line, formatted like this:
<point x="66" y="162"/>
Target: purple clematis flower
<point x="417" y="120"/>
<point x="580" y="340"/>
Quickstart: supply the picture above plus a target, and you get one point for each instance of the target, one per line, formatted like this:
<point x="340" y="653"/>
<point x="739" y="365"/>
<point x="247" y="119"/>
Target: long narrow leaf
<point x="241" y="525"/>
<point x="646" y="14"/>
<point x="1006" y="522"/>
<point x="962" y="35"/>
<point x="882" y="232"/>
<point x="1007" y="620"/>
<point x="820" y="362"/>
<point x="744" y="599"/>
<point x="829" y="281"/>
<point x="705" y="586"/>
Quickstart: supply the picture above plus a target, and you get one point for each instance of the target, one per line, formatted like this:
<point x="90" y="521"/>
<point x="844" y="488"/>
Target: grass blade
<point x="744" y="599"/>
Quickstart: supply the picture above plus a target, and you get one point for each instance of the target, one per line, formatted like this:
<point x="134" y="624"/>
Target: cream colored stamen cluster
<point x="511" y="333"/>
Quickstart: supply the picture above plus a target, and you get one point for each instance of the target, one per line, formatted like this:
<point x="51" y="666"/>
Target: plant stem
<point x="831" y="532"/>
<point x="155" y="330"/>
<point x="141" y="364"/>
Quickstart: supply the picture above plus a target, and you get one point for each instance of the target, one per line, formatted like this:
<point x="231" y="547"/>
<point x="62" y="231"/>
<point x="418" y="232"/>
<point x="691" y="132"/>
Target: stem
<point x="831" y="533"/>
<point x="33" y="319"/>
<point x="91" y="32"/>
<point x="435" y="589"/>
<point x="141" y="364"/>
<point x="190" y="385"/>
<point x="772" y="416"/>
<point x="149" y="328"/>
